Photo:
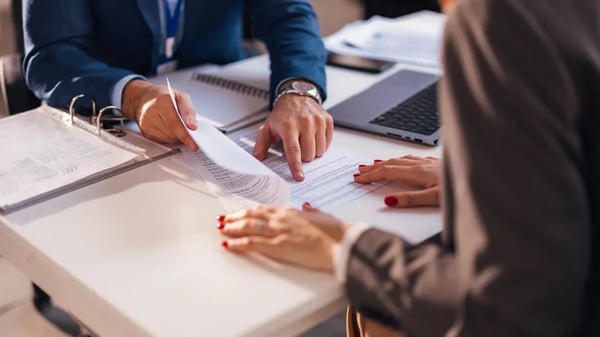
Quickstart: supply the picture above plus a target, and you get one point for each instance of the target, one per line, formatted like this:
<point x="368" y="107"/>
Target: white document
<point x="414" y="38"/>
<point x="328" y="181"/>
<point x="239" y="180"/>
<point x="233" y="175"/>
<point x="42" y="153"/>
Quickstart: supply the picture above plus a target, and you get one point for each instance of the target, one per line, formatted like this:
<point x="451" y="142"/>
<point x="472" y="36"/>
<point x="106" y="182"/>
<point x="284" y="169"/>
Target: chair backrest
<point x="395" y="8"/>
<point x="17" y="19"/>
<point x="16" y="96"/>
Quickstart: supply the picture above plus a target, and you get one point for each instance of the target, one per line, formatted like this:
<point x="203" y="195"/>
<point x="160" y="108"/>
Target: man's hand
<point x="305" y="129"/>
<point x="151" y="107"/>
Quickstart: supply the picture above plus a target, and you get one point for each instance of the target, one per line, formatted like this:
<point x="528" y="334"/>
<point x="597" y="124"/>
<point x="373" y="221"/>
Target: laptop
<point x="402" y="106"/>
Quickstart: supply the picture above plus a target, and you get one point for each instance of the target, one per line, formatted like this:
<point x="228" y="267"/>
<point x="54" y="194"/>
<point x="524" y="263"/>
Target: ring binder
<point x="60" y="152"/>
<point x="98" y="118"/>
<point x="119" y="132"/>
<point x="72" y="106"/>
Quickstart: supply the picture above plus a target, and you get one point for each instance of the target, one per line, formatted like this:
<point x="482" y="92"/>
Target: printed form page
<point x="328" y="181"/>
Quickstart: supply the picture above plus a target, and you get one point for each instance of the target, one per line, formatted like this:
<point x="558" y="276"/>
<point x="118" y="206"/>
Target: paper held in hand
<point x="239" y="180"/>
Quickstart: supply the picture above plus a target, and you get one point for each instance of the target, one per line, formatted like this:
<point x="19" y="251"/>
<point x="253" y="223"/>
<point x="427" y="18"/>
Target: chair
<point x="395" y="8"/>
<point x="14" y="94"/>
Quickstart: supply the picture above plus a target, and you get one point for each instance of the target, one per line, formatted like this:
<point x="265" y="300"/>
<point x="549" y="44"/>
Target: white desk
<point x="139" y="255"/>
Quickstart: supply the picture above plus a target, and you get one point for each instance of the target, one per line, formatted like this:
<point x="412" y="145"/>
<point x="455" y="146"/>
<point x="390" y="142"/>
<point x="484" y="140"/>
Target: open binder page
<point x="41" y="153"/>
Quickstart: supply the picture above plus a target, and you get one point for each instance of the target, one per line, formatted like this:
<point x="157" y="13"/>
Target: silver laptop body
<point x="361" y="111"/>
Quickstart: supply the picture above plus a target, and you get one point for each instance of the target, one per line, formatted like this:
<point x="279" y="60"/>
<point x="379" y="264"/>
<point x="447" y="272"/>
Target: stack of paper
<point x="415" y="38"/>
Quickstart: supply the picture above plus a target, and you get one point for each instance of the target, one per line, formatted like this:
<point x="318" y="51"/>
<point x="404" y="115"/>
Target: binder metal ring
<point x="97" y="118"/>
<point x="72" y="111"/>
<point x="116" y="131"/>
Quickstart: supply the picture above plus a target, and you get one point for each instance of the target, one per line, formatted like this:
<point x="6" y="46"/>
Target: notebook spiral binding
<point x="232" y="85"/>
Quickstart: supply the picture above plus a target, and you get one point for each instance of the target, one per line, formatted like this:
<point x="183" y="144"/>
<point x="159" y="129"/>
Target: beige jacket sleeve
<point x="516" y="248"/>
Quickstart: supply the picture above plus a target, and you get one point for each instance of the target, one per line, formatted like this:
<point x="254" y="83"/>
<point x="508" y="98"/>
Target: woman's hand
<point x="423" y="172"/>
<point x="305" y="238"/>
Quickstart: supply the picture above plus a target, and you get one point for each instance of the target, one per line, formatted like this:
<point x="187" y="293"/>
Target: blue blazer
<point x="87" y="46"/>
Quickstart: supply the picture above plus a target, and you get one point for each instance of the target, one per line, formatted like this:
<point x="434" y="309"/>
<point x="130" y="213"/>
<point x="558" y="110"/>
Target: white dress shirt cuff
<point x="341" y="254"/>
<point x="117" y="93"/>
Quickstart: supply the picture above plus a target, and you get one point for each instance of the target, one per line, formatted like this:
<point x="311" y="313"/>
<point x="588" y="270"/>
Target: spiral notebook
<point x="225" y="103"/>
<point x="47" y="152"/>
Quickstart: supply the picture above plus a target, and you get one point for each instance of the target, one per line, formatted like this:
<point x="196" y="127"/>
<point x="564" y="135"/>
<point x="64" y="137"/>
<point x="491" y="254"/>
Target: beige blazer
<point x="520" y="250"/>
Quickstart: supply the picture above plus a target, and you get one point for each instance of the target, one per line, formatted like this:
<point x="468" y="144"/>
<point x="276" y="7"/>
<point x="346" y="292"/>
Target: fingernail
<point x="220" y="225"/>
<point x="299" y="175"/>
<point x="224" y="244"/>
<point x="377" y="161"/>
<point x="391" y="201"/>
<point x="221" y="218"/>
<point x="307" y="204"/>
<point x="356" y="175"/>
<point x="362" y="165"/>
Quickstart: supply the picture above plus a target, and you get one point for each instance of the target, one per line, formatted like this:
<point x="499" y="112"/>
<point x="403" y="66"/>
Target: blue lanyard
<point x="172" y="23"/>
<point x="172" y="18"/>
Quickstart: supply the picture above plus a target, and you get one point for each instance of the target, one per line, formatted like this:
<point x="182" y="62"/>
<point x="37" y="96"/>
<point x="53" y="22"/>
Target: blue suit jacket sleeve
<point x="290" y="30"/>
<point x="59" y="63"/>
<point x="72" y="49"/>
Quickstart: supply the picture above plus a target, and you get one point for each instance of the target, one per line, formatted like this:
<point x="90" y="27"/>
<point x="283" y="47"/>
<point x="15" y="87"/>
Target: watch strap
<point x="289" y="89"/>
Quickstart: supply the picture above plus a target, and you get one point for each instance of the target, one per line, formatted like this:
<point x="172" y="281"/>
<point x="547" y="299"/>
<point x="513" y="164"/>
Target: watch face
<point x="302" y="86"/>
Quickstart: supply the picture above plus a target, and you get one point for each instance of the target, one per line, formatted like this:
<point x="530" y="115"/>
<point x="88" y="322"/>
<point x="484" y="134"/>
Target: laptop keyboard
<point x="418" y="114"/>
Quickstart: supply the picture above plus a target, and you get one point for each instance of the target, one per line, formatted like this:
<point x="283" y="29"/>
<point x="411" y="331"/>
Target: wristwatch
<point x="301" y="88"/>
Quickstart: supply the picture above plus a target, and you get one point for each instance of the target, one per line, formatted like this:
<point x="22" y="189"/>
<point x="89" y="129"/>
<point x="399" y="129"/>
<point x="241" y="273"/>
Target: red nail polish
<point x="225" y="244"/>
<point x="377" y="161"/>
<point x="362" y="165"/>
<point x="356" y="175"/>
<point x="391" y="201"/>
<point x="221" y="218"/>
<point x="220" y="225"/>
